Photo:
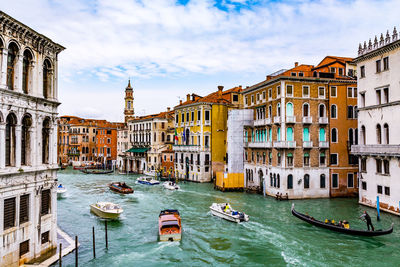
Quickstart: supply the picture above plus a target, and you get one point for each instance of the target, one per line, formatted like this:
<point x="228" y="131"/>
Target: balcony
<point x="307" y="144"/>
<point x="198" y="122"/>
<point x="307" y="120"/>
<point x="186" y="148"/>
<point x="290" y="119"/>
<point x="277" y="119"/>
<point x="323" y="120"/>
<point x="323" y="144"/>
<point x="268" y="121"/>
<point x="207" y="123"/>
<point x="377" y="150"/>
<point x="260" y="122"/>
<point x="260" y="144"/>
<point x="285" y="144"/>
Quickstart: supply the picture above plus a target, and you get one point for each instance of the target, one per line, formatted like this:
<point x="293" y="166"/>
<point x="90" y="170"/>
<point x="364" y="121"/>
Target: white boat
<point x="151" y="173"/>
<point x="147" y="180"/>
<point x="225" y="211"/>
<point x="106" y="210"/>
<point x="171" y="185"/>
<point x="61" y="190"/>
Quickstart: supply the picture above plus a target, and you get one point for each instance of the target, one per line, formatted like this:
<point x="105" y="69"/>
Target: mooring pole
<point x="377" y="208"/>
<point x="106" y="235"/>
<point x="94" y="244"/>
<point x="60" y="256"/>
<point x="76" y="251"/>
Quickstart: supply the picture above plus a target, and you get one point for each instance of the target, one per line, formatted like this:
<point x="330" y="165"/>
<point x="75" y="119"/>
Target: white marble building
<point x="378" y="68"/>
<point x="28" y="142"/>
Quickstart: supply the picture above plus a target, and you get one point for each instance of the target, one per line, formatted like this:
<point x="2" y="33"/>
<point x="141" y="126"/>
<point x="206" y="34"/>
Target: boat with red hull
<point x="120" y="187"/>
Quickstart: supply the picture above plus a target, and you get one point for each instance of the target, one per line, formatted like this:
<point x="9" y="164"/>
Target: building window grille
<point x="45" y="201"/>
<point x="9" y="213"/>
<point x="23" y="248"/>
<point x="45" y="237"/>
<point x="24" y="209"/>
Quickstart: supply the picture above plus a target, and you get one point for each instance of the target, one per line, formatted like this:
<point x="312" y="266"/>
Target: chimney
<point x="220" y="88"/>
<point x="296" y="64"/>
<point x="180" y="102"/>
<point x="187" y="97"/>
<point x="168" y="109"/>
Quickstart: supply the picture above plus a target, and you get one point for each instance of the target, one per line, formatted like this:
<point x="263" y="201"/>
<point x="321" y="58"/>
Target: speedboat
<point x="171" y="185"/>
<point x="169" y="225"/>
<point x="106" y="210"/>
<point x="61" y="190"/>
<point x="121" y="187"/>
<point x="225" y="211"/>
<point x="147" y="180"/>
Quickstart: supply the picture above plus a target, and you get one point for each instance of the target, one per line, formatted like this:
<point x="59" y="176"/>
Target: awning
<point x="322" y="154"/>
<point x="138" y="149"/>
<point x="290" y="155"/>
<point x="306" y="155"/>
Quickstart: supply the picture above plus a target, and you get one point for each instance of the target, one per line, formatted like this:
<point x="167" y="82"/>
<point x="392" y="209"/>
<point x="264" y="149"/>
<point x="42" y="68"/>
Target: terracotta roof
<point x="214" y="97"/>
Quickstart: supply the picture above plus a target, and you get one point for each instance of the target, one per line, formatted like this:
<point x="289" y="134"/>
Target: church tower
<point x="128" y="111"/>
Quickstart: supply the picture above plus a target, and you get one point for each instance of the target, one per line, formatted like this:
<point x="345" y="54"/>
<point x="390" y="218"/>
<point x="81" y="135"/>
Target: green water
<point x="272" y="236"/>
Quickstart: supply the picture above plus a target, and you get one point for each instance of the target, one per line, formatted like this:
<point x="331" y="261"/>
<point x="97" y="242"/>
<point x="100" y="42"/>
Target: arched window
<point x="322" y="136"/>
<point x="25" y="140"/>
<point x="362" y="135"/>
<point x="274" y="180"/>
<point x="306" y="181"/>
<point x="386" y="133"/>
<point x="322" y="181"/>
<point x="334" y="135"/>
<point x="271" y="180"/>
<point x="306" y="135"/>
<point x="187" y="137"/>
<point x="351" y="135"/>
<point x="45" y="141"/>
<point x="290" y="181"/>
<point x="47" y="78"/>
<point x="306" y="110"/>
<point x="321" y="111"/>
<point x="11" y="60"/>
<point x="278" y="110"/>
<point x="289" y="134"/>
<point x="26" y="64"/>
<point x="289" y="109"/>
<point x="378" y="134"/>
<point x="333" y="112"/>
<point x="11" y="122"/>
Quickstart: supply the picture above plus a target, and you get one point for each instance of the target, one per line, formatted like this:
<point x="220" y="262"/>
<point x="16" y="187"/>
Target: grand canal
<point x="272" y="236"/>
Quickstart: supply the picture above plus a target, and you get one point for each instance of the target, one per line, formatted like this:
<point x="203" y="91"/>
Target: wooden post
<point x="94" y="244"/>
<point x="106" y="235"/>
<point x="60" y="256"/>
<point x="76" y="251"/>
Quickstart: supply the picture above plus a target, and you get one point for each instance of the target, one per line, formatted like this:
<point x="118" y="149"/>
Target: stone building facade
<point x="28" y="142"/>
<point x="378" y="66"/>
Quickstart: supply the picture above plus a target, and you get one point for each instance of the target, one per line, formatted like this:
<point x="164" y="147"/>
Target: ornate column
<point x="32" y="146"/>
<point x="18" y="72"/>
<point x="18" y="145"/>
<point x="54" y="145"/>
<point x="2" y="145"/>
<point x="51" y="145"/>
<point x="3" y="74"/>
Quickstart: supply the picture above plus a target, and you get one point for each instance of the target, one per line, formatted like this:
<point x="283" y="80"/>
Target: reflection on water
<point x="271" y="237"/>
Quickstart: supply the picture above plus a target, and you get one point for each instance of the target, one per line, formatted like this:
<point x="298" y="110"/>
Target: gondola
<point x="339" y="229"/>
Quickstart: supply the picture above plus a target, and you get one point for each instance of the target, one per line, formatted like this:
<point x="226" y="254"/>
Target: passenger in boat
<point x="346" y="224"/>
<point x="367" y="220"/>
<point x="340" y="224"/>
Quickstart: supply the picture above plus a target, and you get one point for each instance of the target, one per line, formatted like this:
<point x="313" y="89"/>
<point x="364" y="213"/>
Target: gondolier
<point x="367" y="220"/>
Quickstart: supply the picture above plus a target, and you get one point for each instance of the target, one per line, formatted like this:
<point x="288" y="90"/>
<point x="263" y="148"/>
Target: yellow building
<point x="200" y="135"/>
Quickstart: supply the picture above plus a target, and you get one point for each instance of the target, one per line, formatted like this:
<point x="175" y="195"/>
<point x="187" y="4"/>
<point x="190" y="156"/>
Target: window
<point x="306" y="159"/>
<point x="321" y="111"/>
<point x="306" y="134"/>
<point x="378" y="165"/>
<point x="258" y="97"/>
<point x="264" y="95"/>
<point x="306" y="181"/>
<point x="387" y="190"/>
<point x="386" y="133"/>
<point x="385" y="95"/>
<point x="9" y="213"/>
<point x="45" y="141"/>
<point x="235" y="98"/>
<point x="350" y="112"/>
<point x="26" y="72"/>
<point x="11" y="60"/>
<point x="269" y="93"/>
<point x="333" y="112"/>
<point x="252" y="99"/>
<point x="11" y="122"/>
<point x="363" y="167"/>
<point x="199" y="114"/>
<point x="362" y="99"/>
<point x="206" y="141"/>
<point x="322" y="181"/>
<point x="289" y="90"/>
<point x="290" y="181"/>
<point x="289" y="109"/>
<point x="306" y="110"/>
<point x="334" y="135"/>
<point x="45" y="207"/>
<point x="386" y="63"/>
<point x="278" y="90"/>
<point x="386" y="166"/>
<point x="24" y="209"/>
<point x="378" y="66"/>
<point x="306" y="91"/>
<point x="333" y="91"/>
<point x="187" y="119"/>
<point x="207" y="115"/>
<point x="364" y="185"/>
<point x="45" y="237"/>
<point x="334" y="159"/>
<point x="246" y="100"/>
<point x="335" y="180"/>
<point x="362" y="71"/>
<point x="289" y="134"/>
<point x="321" y="92"/>
<point x="183" y="117"/>
<point x="290" y="160"/>
<point x="293" y="74"/>
<point x="350" y="180"/>
<point x="25" y="140"/>
<point x="322" y="159"/>
<point x="23" y="248"/>
<point x="278" y="109"/>
<point x="379" y="189"/>
<point x="378" y="134"/>
<point x="341" y="71"/>
<point x="378" y="97"/>
<point x="333" y="70"/>
<point x="47" y="79"/>
<point x="301" y="74"/>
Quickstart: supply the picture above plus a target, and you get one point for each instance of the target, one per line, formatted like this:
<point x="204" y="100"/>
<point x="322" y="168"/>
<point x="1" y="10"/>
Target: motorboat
<point x="169" y="225"/>
<point x="171" y="185"/>
<point x="106" y="210"/>
<point x="225" y="211"/>
<point x="147" y="180"/>
<point x="120" y="187"/>
<point x="61" y="190"/>
<point x="96" y="171"/>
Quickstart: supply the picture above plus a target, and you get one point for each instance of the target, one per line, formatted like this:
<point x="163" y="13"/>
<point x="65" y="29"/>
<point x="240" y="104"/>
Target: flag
<point x="176" y="135"/>
<point x="184" y="138"/>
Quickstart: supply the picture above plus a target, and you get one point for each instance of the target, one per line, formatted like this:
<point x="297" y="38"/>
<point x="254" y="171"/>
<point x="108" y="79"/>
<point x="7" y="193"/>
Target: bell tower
<point x="129" y="111"/>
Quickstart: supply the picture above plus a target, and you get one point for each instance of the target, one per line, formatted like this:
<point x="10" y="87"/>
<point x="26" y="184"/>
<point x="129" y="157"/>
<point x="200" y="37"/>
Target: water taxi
<point x="224" y="211"/>
<point x="169" y="225"/>
<point x="147" y="180"/>
<point x="61" y="190"/>
<point x="120" y="187"/>
<point x="106" y="210"/>
<point x="171" y="185"/>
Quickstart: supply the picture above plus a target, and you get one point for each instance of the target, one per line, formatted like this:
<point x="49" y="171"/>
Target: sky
<point x="169" y="48"/>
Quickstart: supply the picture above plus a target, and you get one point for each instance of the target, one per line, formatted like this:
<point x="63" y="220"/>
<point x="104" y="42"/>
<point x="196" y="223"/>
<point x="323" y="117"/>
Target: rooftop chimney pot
<point x="296" y="64"/>
<point x="187" y="97"/>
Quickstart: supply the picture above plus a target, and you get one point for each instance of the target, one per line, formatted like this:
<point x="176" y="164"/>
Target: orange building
<point x="167" y="163"/>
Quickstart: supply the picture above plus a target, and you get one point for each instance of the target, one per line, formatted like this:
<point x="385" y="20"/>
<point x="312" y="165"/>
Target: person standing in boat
<point x="367" y="220"/>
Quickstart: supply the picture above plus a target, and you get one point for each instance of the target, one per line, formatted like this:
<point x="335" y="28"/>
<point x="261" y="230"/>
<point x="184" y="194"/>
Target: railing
<point x="285" y="144"/>
<point x="207" y="122"/>
<point x="268" y="121"/>
<point x="307" y="120"/>
<point x="323" y="144"/>
<point x="290" y="119"/>
<point x="186" y="148"/>
<point x="379" y="150"/>
<point x="277" y="119"/>
<point x="265" y="144"/>
<point x="260" y="122"/>
<point x="323" y="120"/>
<point x="307" y="144"/>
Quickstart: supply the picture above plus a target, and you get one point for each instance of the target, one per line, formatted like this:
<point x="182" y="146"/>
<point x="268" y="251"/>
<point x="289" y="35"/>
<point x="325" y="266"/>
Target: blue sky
<point x="170" y="48"/>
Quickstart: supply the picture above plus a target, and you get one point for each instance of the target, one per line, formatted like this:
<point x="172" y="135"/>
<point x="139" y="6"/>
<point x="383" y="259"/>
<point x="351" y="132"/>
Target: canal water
<point x="272" y="236"/>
